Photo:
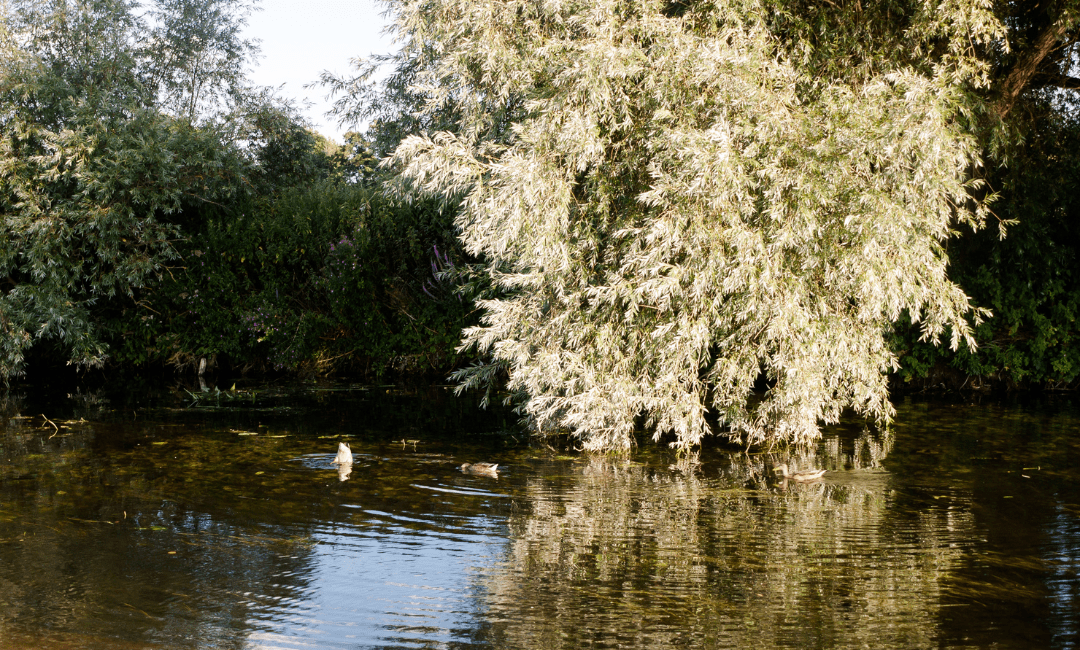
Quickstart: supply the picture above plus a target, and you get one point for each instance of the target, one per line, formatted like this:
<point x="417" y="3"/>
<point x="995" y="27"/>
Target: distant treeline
<point x="159" y="214"/>
<point x="316" y="273"/>
<point x="324" y="274"/>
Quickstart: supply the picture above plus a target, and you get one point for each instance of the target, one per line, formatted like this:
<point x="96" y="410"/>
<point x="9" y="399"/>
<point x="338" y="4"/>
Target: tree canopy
<point x="90" y="162"/>
<point x="699" y="196"/>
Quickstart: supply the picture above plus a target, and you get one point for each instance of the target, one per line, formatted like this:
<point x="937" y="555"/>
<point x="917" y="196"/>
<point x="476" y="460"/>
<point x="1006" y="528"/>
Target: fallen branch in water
<point x="54" y="426"/>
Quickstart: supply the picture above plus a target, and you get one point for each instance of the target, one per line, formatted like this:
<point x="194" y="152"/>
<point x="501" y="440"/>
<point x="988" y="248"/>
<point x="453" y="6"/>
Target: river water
<point x="163" y="520"/>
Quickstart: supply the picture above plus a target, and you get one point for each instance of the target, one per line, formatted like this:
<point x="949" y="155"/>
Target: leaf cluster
<point x="1031" y="279"/>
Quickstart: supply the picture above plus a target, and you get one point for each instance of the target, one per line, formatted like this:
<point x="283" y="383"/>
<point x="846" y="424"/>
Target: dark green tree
<point x="90" y="169"/>
<point x="1029" y="279"/>
<point x="196" y="56"/>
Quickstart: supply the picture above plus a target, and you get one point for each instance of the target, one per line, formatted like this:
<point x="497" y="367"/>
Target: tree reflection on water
<point x="130" y="526"/>
<point x="627" y="555"/>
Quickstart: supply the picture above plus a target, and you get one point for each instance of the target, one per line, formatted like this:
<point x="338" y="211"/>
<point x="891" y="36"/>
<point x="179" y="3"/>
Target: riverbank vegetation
<point x="742" y="217"/>
<point x="1030" y="280"/>
<point x="159" y="211"/>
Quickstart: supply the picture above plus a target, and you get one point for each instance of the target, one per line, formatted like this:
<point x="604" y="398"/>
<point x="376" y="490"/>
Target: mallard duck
<point x="801" y="475"/>
<point x="486" y="469"/>
<point x="344" y="455"/>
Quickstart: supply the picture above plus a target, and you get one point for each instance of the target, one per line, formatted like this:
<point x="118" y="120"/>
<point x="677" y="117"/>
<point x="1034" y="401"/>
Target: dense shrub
<point x="323" y="276"/>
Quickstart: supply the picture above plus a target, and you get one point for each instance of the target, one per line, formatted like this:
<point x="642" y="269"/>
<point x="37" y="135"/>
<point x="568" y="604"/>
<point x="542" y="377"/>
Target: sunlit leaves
<point x="693" y="198"/>
<point x="197" y="55"/>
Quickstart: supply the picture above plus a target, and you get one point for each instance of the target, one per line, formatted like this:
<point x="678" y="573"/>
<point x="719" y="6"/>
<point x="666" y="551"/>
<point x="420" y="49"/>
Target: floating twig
<point x="140" y="611"/>
<point x="54" y="426"/>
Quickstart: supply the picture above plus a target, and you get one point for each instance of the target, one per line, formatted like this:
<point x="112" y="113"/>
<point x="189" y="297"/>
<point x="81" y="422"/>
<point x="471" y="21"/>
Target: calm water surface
<point x="155" y="520"/>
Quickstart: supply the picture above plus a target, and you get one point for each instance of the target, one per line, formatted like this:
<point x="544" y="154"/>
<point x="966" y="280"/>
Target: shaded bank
<point x="319" y="279"/>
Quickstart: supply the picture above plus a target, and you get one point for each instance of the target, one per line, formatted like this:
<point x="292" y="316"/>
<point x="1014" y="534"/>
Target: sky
<point x="301" y="38"/>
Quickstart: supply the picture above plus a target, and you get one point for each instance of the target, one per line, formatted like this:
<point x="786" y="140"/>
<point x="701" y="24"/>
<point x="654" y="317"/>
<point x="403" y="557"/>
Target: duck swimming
<point x="801" y="475"/>
<point x="344" y="455"/>
<point x="483" y="469"/>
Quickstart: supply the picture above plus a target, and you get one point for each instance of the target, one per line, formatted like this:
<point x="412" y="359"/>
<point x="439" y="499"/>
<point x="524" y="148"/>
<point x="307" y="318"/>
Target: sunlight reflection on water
<point x="371" y="590"/>
<point x="231" y="529"/>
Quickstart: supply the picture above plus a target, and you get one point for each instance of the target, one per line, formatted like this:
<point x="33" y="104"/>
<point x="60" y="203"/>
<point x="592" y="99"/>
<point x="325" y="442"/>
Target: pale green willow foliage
<point x="688" y="202"/>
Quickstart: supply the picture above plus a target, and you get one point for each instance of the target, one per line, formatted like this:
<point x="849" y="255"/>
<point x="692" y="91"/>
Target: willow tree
<point x="703" y="197"/>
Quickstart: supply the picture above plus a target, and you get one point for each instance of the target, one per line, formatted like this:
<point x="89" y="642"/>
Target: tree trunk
<point x="1027" y="65"/>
